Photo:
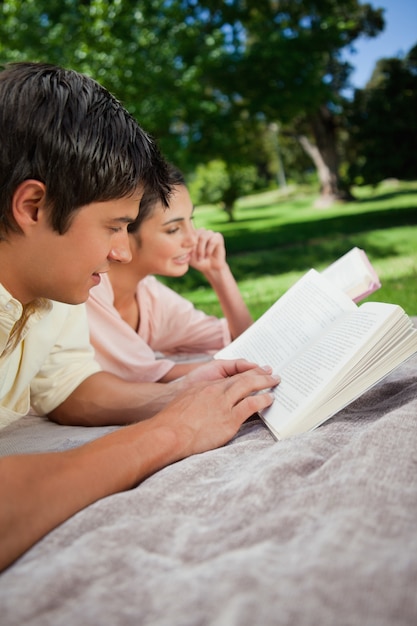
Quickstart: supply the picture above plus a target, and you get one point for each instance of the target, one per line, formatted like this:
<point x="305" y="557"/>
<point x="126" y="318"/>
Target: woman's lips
<point x="183" y="259"/>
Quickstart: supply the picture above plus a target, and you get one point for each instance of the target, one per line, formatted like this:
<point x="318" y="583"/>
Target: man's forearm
<point x="40" y="491"/>
<point x="104" y="399"/>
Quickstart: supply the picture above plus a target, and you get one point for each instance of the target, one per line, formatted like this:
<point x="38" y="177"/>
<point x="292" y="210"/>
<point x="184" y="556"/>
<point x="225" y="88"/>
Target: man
<point x="73" y="167"/>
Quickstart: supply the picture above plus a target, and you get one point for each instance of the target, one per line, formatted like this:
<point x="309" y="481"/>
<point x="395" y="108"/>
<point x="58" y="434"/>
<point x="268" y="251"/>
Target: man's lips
<point x="96" y="278"/>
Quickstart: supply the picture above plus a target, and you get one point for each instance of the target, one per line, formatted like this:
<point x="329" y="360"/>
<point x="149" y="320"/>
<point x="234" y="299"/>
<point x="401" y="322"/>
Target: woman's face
<point x="164" y="242"/>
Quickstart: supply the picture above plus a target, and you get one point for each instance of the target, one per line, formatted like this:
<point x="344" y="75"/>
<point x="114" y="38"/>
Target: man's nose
<point x="121" y="252"/>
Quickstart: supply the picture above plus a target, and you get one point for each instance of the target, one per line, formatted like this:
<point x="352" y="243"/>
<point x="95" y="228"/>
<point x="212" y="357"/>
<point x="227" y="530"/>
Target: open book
<point x="326" y="349"/>
<point x="354" y="274"/>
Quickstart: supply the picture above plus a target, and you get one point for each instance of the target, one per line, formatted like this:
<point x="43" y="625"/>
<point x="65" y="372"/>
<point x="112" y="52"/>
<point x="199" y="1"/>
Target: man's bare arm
<point x="105" y="399"/>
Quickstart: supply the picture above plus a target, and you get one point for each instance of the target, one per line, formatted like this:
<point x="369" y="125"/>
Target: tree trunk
<point x="324" y="156"/>
<point x="228" y="209"/>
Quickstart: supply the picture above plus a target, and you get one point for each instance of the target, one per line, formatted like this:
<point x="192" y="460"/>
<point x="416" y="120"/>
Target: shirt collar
<point x="11" y="311"/>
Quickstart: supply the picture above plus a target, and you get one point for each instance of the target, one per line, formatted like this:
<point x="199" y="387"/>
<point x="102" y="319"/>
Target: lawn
<point x="277" y="236"/>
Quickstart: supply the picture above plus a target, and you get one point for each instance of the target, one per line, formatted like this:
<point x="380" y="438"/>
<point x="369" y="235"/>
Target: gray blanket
<point x="317" y="530"/>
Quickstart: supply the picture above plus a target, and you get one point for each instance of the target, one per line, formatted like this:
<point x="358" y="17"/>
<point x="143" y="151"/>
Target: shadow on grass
<point x="256" y="246"/>
<point x="241" y="240"/>
<point x="388" y="195"/>
<point x="295" y="247"/>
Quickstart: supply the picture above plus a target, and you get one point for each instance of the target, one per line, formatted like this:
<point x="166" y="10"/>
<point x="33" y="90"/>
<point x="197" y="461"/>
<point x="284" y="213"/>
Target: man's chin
<point x="71" y="301"/>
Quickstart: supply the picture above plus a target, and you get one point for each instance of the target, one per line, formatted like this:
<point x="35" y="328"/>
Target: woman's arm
<point x="179" y="370"/>
<point x="209" y="257"/>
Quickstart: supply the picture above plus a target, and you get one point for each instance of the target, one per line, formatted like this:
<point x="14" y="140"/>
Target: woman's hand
<point x="209" y="253"/>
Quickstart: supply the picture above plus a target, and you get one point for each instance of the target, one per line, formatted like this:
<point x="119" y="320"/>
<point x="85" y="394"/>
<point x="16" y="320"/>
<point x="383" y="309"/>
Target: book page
<point x="311" y="377"/>
<point x="381" y="359"/>
<point x="354" y="274"/>
<point x="325" y="348"/>
<point x="291" y="324"/>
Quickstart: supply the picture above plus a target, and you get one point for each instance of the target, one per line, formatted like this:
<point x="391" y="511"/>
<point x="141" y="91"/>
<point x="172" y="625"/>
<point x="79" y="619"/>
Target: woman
<point x="133" y="316"/>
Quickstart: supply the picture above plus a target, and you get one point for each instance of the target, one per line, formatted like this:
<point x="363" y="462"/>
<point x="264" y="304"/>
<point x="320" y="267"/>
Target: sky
<point x="399" y="35"/>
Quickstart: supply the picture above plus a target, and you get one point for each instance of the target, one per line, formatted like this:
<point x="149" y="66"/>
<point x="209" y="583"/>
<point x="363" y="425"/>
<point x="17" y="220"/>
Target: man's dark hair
<point x="67" y="131"/>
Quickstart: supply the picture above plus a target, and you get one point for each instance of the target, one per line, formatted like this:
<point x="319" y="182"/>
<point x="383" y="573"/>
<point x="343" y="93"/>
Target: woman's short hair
<point x="150" y="199"/>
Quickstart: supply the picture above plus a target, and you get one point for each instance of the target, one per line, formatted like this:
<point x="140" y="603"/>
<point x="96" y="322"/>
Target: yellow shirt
<point x="45" y="359"/>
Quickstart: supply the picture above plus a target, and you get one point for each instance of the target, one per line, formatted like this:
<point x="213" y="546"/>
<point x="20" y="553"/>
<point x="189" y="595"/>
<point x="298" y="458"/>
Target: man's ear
<point x="28" y="199"/>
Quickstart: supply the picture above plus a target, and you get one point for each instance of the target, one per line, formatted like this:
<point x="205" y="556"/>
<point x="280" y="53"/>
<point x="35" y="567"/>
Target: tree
<point x="128" y="46"/>
<point x="282" y="61"/>
<point x="207" y="78"/>
<point x="382" y="123"/>
<point x="223" y="183"/>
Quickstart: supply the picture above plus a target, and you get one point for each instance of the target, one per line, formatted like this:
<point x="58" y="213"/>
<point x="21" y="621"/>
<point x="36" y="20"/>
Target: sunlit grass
<point x="277" y="237"/>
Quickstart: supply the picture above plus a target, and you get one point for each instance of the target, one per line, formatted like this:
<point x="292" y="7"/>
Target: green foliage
<point x="382" y="123"/>
<point x="209" y="182"/>
<point x="222" y="183"/>
<point x="129" y="46"/>
<point x="205" y="78"/>
<point x="282" y="61"/>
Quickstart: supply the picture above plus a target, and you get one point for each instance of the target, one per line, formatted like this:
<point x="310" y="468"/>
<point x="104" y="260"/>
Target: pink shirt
<point x="168" y="323"/>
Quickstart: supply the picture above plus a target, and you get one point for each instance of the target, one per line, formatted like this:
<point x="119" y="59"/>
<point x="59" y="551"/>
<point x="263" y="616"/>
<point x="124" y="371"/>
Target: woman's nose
<point x="190" y="237"/>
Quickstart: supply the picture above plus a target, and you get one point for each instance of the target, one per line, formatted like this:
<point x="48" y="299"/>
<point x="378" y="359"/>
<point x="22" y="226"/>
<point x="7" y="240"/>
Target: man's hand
<point x="220" y="369"/>
<point x="211" y="410"/>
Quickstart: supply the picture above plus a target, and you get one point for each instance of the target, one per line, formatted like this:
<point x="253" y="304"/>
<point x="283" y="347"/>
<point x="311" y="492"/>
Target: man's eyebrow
<point x="124" y="220"/>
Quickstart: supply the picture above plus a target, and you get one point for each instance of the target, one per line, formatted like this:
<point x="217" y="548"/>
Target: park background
<point x="288" y="150"/>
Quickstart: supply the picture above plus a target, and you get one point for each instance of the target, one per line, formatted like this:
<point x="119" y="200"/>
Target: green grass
<point x="278" y="236"/>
